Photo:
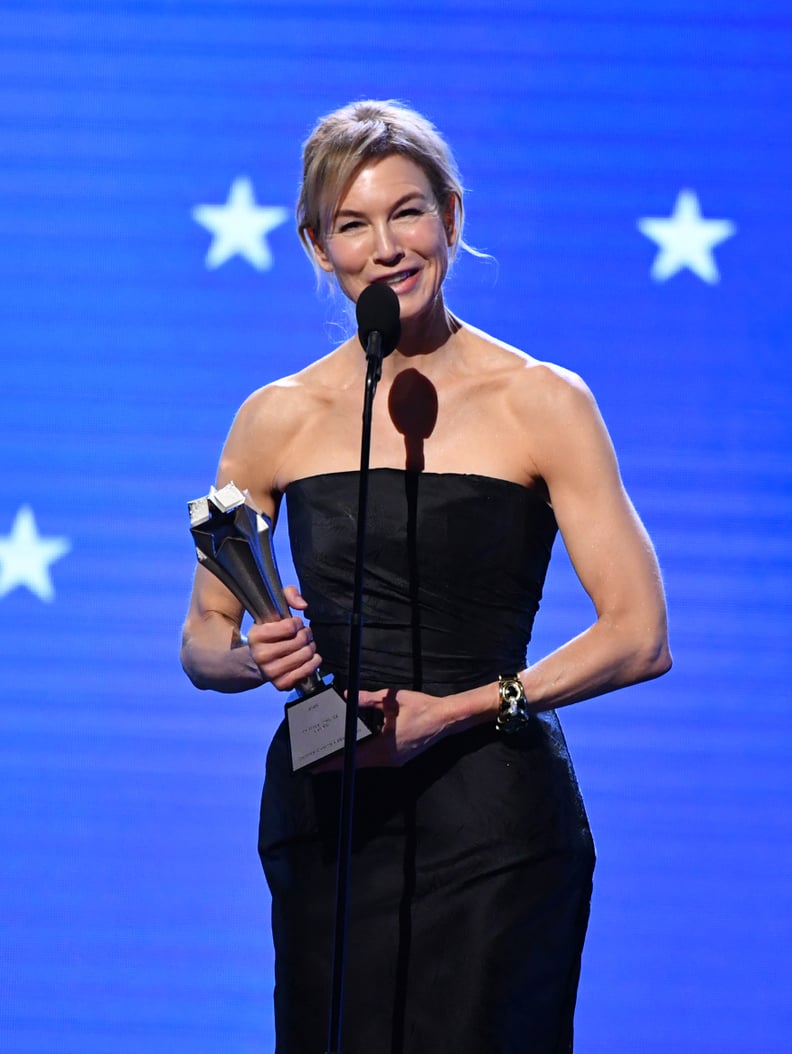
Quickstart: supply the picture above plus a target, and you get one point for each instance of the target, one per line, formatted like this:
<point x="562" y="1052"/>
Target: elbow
<point x="193" y="675"/>
<point x="641" y="630"/>
<point x="191" y="667"/>
<point x="660" y="661"/>
<point x="197" y="681"/>
<point x="652" y="656"/>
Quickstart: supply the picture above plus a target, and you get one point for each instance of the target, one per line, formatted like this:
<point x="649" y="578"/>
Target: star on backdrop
<point x="26" y="555"/>
<point x="240" y="227"/>
<point x="686" y="239"/>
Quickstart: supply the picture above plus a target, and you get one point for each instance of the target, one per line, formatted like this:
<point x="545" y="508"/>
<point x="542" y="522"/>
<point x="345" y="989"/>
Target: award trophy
<point x="233" y="540"/>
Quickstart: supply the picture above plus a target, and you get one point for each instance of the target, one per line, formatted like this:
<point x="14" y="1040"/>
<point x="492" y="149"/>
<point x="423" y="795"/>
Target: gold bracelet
<point x="513" y="714"/>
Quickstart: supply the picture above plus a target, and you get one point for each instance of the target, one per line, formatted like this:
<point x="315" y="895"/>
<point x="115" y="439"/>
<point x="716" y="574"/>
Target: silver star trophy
<point x="233" y="540"/>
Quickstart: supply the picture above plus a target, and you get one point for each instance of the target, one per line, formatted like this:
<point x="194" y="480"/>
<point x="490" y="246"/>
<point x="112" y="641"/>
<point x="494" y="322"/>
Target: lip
<point x="400" y="281"/>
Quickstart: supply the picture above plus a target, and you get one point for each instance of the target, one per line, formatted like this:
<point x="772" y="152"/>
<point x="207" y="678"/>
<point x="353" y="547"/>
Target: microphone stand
<point x="346" y="814"/>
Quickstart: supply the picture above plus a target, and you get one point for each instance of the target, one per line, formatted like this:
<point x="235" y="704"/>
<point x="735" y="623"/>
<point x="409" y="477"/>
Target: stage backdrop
<point x="629" y="165"/>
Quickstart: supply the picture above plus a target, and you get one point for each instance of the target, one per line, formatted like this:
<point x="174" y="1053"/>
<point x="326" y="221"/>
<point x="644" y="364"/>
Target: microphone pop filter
<point x="377" y="311"/>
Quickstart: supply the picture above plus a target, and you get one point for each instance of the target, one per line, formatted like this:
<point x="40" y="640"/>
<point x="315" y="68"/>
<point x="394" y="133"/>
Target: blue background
<point x="133" y="915"/>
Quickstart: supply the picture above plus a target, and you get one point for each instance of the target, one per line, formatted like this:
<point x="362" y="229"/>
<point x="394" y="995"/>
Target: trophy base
<point x="316" y="727"/>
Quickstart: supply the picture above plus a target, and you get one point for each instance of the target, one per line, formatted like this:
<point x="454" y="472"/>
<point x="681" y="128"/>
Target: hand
<point x="412" y="722"/>
<point x="284" y="650"/>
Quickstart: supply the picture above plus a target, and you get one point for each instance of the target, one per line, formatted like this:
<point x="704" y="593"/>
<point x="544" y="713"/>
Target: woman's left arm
<point x="613" y="558"/>
<point x="611" y="553"/>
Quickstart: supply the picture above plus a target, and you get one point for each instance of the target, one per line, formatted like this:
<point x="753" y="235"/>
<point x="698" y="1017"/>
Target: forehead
<point x="383" y="181"/>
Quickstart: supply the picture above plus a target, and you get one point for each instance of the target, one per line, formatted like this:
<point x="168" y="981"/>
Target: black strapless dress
<point x="472" y="864"/>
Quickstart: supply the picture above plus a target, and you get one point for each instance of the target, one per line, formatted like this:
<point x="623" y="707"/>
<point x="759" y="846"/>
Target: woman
<point x="472" y="856"/>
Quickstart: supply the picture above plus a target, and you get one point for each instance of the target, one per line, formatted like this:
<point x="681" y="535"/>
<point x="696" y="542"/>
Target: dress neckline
<point x="352" y="472"/>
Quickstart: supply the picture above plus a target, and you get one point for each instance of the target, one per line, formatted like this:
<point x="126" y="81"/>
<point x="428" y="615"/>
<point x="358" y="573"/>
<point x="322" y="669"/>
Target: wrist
<point x="513" y="713"/>
<point x="476" y="706"/>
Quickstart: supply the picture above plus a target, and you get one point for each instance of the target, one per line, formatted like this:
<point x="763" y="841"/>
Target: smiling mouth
<point x="401" y="276"/>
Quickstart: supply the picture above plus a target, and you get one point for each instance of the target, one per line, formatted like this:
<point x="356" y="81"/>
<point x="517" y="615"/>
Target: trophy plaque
<point x="233" y="540"/>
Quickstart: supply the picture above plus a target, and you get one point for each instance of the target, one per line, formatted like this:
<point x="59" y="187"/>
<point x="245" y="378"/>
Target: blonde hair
<point x="357" y="134"/>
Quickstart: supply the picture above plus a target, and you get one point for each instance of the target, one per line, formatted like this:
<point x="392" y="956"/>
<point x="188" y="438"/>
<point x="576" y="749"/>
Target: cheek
<point x="346" y="256"/>
<point x="437" y="251"/>
<point x="433" y="240"/>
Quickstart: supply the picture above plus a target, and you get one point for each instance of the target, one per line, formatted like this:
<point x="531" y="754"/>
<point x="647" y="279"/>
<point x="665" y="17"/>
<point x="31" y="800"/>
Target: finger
<point x="287" y="673"/>
<point x="294" y="598"/>
<point x="290" y="658"/>
<point x="371" y="698"/>
<point x="284" y="654"/>
<point x="283" y="629"/>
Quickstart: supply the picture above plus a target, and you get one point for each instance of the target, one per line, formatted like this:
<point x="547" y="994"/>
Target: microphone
<point x="377" y="312"/>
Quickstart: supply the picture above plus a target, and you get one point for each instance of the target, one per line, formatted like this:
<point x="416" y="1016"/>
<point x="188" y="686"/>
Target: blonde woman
<point x="472" y="855"/>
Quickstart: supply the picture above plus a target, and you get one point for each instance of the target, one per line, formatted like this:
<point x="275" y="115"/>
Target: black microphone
<point x="377" y="312"/>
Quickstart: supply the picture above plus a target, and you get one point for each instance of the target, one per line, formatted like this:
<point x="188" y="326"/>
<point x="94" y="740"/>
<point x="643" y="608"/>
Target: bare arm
<point x="616" y="564"/>
<point x="612" y="555"/>
<point x="213" y="653"/>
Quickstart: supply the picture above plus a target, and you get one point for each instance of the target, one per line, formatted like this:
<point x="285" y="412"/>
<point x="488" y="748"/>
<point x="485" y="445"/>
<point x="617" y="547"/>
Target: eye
<point x="409" y="213"/>
<point x="348" y="226"/>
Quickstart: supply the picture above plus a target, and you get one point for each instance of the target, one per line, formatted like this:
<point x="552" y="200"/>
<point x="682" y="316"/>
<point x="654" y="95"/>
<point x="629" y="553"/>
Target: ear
<point x="320" y="255"/>
<point x="450" y="220"/>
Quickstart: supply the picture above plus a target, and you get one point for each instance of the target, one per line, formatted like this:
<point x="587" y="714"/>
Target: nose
<point x="386" y="245"/>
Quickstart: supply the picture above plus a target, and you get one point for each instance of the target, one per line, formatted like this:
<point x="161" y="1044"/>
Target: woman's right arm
<point x="214" y="654"/>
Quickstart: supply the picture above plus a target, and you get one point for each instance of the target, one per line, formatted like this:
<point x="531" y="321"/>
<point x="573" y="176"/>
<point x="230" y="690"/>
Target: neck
<point x="421" y="337"/>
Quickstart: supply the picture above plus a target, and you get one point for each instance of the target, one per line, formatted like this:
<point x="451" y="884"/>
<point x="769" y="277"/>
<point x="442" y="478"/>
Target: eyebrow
<point x="397" y="204"/>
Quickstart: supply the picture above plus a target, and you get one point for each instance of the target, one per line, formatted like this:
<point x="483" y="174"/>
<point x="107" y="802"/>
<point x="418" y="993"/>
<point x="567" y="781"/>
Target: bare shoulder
<point x="269" y="423"/>
<point x="524" y="376"/>
<point x="270" y="406"/>
<point x="544" y="416"/>
<point x="281" y="404"/>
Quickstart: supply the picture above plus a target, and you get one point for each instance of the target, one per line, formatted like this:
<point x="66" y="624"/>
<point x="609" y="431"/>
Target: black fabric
<point x="471" y="873"/>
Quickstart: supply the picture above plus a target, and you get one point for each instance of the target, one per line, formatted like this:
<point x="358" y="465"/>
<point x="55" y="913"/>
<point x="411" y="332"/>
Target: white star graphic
<point x="25" y="557"/>
<point x="240" y="226"/>
<point x="686" y="239"/>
